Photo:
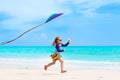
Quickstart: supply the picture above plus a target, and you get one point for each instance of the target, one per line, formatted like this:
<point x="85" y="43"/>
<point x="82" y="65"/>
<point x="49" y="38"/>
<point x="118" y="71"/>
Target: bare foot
<point x="63" y="71"/>
<point x="45" y="67"/>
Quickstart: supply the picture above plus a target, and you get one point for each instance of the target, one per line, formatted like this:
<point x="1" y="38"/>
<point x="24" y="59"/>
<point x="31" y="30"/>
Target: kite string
<point x="27" y="31"/>
<point x="21" y="34"/>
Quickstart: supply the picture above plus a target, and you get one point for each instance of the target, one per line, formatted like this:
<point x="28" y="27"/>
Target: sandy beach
<point x="32" y="69"/>
<point x="14" y="73"/>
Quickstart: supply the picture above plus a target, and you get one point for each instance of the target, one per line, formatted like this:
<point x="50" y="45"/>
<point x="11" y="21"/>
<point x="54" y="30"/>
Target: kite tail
<point x="3" y="43"/>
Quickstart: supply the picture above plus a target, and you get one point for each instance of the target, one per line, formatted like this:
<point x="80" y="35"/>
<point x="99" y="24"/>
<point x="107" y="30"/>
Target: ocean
<point x="80" y="53"/>
<point x="36" y="55"/>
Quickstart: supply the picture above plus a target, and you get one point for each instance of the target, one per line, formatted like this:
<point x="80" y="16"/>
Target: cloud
<point x="29" y="9"/>
<point x="113" y="8"/>
<point x="25" y="11"/>
<point x="4" y="16"/>
<point x="85" y="7"/>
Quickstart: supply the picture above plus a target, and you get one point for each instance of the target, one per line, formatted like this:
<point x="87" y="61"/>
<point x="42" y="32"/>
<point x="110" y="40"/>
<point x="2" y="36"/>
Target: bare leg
<point x="50" y="64"/>
<point x="62" y="65"/>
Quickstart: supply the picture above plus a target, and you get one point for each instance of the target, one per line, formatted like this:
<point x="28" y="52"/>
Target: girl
<point x="56" y="56"/>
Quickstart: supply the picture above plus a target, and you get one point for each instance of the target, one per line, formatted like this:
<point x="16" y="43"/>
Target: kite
<point x="53" y="16"/>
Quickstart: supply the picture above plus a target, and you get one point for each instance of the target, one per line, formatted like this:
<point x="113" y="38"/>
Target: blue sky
<point x="85" y="22"/>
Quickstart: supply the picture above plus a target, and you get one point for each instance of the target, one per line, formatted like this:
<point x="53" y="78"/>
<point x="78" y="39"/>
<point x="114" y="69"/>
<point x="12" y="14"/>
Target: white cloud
<point x="85" y="7"/>
<point x="27" y="10"/>
<point x="24" y="11"/>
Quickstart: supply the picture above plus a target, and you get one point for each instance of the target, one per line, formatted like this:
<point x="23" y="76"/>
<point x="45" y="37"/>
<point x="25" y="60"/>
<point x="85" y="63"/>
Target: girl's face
<point x="59" y="40"/>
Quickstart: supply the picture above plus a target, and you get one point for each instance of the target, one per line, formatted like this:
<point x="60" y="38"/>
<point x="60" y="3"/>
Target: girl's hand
<point x="69" y="40"/>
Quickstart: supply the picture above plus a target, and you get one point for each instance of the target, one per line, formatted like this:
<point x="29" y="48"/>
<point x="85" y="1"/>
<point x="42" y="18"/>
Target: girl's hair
<point x="55" y="41"/>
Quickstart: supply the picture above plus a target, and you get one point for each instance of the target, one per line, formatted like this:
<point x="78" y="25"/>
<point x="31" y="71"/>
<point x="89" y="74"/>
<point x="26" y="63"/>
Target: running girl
<point x="56" y="56"/>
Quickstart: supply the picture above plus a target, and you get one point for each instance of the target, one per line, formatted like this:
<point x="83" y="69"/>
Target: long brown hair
<point x="55" y="41"/>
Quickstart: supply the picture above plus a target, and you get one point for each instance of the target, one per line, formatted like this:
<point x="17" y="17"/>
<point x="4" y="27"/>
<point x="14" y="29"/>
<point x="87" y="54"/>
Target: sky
<point x="85" y="22"/>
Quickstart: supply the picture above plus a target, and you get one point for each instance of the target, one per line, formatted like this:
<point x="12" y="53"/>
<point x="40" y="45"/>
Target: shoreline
<point x="69" y="64"/>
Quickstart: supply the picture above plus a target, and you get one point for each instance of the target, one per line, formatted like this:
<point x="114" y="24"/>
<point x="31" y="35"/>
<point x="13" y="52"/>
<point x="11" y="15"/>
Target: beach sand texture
<point x="14" y="73"/>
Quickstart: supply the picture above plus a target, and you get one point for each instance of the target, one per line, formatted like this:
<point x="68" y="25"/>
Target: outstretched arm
<point x="64" y="45"/>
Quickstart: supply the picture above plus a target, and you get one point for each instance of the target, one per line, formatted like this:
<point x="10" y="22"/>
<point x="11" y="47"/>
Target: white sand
<point x="14" y="73"/>
<point x="15" y="69"/>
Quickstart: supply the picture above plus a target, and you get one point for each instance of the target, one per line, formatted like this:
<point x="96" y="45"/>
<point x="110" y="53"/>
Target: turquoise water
<point x="80" y="53"/>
